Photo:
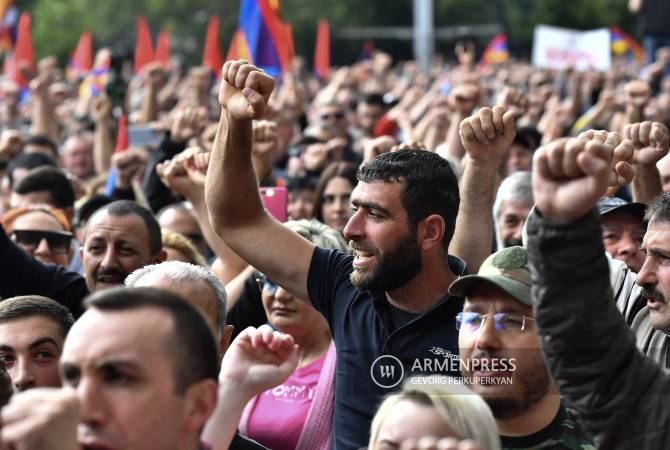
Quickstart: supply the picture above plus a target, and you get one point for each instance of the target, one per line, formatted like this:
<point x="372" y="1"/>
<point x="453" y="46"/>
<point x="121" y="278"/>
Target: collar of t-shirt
<point x="396" y="317"/>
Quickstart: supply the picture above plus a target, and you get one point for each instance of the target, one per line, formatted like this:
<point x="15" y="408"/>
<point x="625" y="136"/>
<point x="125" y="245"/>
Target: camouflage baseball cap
<point x="507" y="269"/>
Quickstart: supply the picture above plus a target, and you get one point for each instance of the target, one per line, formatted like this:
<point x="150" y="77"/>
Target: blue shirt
<point x="373" y="357"/>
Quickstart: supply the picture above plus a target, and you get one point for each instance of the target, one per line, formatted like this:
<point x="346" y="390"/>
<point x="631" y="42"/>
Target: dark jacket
<point x="619" y="395"/>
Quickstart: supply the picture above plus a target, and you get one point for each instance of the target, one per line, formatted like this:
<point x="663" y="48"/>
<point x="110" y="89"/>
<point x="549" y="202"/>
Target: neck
<point x="312" y="345"/>
<point x="425" y="289"/>
<point x="533" y="420"/>
<point x="190" y="443"/>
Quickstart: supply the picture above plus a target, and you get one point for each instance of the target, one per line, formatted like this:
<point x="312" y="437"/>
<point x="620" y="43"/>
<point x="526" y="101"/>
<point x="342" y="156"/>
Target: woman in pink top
<point x="297" y="414"/>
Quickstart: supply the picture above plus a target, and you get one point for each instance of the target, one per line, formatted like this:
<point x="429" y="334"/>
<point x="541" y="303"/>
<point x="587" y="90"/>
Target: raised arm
<point x="589" y="350"/>
<point x="650" y="140"/>
<point x="486" y="137"/>
<point x="257" y="360"/>
<point x="234" y="204"/>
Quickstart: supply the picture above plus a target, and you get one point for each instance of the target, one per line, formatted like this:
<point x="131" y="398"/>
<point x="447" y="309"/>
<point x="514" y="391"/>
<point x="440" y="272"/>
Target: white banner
<point x="561" y="48"/>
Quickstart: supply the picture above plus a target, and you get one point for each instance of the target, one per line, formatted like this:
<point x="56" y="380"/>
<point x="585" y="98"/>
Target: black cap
<point x="608" y="205"/>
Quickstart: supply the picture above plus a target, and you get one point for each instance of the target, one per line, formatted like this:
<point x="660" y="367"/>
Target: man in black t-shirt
<point x="387" y="306"/>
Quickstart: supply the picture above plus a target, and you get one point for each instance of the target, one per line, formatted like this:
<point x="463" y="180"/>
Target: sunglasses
<point x="265" y="284"/>
<point x="335" y="115"/>
<point x="59" y="242"/>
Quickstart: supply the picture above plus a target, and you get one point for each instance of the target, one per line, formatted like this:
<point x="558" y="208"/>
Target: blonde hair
<point x="462" y="410"/>
<point x="179" y="242"/>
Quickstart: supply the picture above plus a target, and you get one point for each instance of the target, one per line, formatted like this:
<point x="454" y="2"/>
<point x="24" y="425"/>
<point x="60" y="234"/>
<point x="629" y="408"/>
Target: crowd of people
<point x="474" y="258"/>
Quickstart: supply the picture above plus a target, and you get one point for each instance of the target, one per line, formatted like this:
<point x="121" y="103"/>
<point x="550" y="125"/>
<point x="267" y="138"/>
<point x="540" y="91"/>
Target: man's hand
<point x="182" y="175"/>
<point x="129" y="165"/>
<point x="187" y="123"/>
<point x="102" y="108"/>
<point x="41" y="419"/>
<point x="431" y="443"/>
<point x="513" y="100"/>
<point x="619" y="150"/>
<point x="259" y="359"/>
<point x="637" y="94"/>
<point x="245" y="90"/>
<point x="650" y="140"/>
<point x="154" y="75"/>
<point x="39" y="87"/>
<point x="375" y="147"/>
<point x="464" y="98"/>
<point x="570" y="175"/>
<point x="488" y="135"/>
<point x="196" y="167"/>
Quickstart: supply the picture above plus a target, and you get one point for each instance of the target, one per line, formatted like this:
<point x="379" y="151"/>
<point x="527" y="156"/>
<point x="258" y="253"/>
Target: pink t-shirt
<point x="279" y="415"/>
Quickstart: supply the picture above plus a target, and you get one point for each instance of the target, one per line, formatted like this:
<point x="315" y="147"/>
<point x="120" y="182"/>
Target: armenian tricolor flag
<point x="262" y="37"/>
<point x="9" y="15"/>
<point x="623" y="44"/>
<point x="496" y="52"/>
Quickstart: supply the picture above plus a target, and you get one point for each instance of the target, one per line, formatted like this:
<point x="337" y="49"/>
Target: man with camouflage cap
<point x="501" y="356"/>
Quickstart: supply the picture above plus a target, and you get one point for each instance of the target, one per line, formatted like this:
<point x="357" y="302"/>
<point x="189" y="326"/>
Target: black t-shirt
<point x="373" y="355"/>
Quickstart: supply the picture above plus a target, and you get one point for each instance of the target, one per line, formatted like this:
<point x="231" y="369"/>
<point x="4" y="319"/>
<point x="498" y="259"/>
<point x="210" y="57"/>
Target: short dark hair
<point x="122" y="208"/>
<point x="36" y="305"/>
<point x="28" y="161"/>
<point x="430" y="185"/>
<point x="374" y="100"/>
<point x="192" y="345"/>
<point x="42" y="140"/>
<point x="528" y="137"/>
<point x="90" y="206"/>
<point x="659" y="209"/>
<point x="333" y="170"/>
<point x="48" y="179"/>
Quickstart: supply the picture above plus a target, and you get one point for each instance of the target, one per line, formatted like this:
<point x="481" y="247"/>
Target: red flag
<point x="322" y="50"/>
<point x="122" y="135"/>
<point x="163" y="48"/>
<point x="81" y="60"/>
<point x="211" y="56"/>
<point x="144" y="51"/>
<point x="289" y="44"/>
<point x="24" y="54"/>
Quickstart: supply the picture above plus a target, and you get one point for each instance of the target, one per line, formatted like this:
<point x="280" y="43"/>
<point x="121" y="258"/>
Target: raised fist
<point x="245" y="90"/>
<point x="650" y="141"/>
<point x="488" y="134"/>
<point x="570" y="175"/>
<point x="464" y="98"/>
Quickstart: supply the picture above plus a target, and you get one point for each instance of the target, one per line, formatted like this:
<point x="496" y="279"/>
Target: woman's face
<point x="408" y="419"/>
<point x="32" y="231"/>
<point x="289" y="314"/>
<point x="335" y="208"/>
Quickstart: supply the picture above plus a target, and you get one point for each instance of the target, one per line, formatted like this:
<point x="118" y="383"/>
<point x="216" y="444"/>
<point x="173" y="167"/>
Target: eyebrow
<point x="43" y="340"/>
<point x="655" y="251"/>
<point x="36" y="343"/>
<point x="371" y="205"/>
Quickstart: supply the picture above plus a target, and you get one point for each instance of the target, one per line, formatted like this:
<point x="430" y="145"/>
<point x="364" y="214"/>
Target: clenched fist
<point x="245" y="90"/>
